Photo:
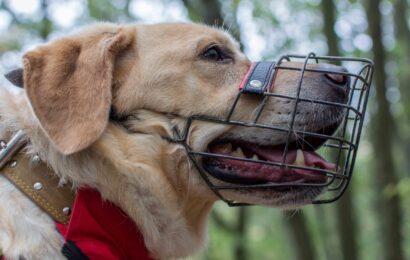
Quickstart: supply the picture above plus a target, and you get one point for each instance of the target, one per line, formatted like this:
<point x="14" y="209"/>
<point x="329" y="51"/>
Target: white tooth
<point x="235" y="153"/>
<point x="255" y="157"/>
<point x="300" y="158"/>
<point x="241" y="152"/>
<point x="238" y="153"/>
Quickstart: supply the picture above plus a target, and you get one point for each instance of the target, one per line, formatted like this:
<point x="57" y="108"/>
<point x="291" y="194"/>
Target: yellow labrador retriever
<point x="154" y="77"/>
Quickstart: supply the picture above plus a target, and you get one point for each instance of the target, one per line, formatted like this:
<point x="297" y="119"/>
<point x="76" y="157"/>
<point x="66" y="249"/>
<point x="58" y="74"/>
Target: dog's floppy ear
<point x="68" y="84"/>
<point x="16" y="77"/>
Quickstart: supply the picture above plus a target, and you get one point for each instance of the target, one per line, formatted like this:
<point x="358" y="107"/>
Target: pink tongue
<point x="311" y="158"/>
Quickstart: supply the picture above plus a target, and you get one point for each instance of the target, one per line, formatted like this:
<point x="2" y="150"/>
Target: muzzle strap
<point x="258" y="78"/>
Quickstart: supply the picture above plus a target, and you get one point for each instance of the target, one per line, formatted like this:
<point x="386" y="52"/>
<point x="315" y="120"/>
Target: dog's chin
<point x="286" y="197"/>
<point x="293" y="198"/>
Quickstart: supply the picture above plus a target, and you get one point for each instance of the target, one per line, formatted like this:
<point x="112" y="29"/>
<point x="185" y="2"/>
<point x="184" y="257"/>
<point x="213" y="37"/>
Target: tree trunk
<point x="326" y="218"/>
<point x="390" y="212"/>
<point x="403" y="37"/>
<point x="46" y="26"/>
<point x="347" y="226"/>
<point x="403" y="60"/>
<point x="400" y="20"/>
<point x="299" y="233"/>
<point x="328" y="11"/>
<point x="210" y="12"/>
<point x="344" y="206"/>
<point x="206" y="11"/>
<point x="240" y="243"/>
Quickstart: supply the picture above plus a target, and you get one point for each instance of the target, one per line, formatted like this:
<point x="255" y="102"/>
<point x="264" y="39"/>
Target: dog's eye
<point x="215" y="53"/>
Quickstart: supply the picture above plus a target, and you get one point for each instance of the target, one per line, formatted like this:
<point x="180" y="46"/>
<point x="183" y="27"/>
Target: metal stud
<point x="63" y="182"/>
<point x="36" y="159"/>
<point x="13" y="163"/>
<point x="66" y="211"/>
<point x="38" y="186"/>
<point x="255" y="83"/>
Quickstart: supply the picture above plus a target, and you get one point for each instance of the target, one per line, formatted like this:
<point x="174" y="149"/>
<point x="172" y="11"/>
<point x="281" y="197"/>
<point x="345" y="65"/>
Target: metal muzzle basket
<point x="340" y="148"/>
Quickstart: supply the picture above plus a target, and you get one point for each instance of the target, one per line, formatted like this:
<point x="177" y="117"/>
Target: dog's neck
<point x="160" y="211"/>
<point x="171" y="229"/>
<point x="196" y="214"/>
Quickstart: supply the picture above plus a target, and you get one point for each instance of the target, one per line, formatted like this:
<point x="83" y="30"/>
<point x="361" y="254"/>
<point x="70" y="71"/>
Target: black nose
<point x="339" y="84"/>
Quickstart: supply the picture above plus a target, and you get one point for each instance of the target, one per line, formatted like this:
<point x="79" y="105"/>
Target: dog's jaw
<point x="176" y="203"/>
<point x="173" y="223"/>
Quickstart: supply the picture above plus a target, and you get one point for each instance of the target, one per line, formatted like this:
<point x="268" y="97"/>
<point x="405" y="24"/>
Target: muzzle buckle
<point x="259" y="78"/>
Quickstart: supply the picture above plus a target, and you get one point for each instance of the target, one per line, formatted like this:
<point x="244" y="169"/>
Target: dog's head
<point x="154" y="77"/>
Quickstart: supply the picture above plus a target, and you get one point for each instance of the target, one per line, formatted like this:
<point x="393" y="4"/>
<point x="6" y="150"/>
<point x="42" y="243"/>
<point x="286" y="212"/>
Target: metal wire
<point x="344" y="143"/>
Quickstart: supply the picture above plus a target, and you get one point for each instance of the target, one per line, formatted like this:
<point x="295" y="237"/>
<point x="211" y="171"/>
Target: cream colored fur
<point x="143" y="72"/>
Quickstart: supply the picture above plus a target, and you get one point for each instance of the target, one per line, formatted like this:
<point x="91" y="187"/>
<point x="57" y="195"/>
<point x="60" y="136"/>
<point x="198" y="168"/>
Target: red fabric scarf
<point x="101" y="230"/>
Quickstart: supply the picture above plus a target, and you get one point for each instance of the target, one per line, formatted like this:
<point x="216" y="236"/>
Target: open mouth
<point x="255" y="164"/>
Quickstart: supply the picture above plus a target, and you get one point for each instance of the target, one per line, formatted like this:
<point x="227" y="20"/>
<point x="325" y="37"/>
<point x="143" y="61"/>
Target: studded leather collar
<point x="36" y="180"/>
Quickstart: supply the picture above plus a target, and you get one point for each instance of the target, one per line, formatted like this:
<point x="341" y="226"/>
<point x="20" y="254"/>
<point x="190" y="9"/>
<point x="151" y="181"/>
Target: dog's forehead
<point x="186" y="32"/>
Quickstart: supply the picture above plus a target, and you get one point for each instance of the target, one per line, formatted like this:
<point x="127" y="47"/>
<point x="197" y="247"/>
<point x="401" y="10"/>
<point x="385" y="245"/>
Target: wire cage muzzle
<point x="339" y="147"/>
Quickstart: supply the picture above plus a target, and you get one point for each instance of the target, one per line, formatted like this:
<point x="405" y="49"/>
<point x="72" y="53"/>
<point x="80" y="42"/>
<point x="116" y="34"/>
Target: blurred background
<point x="372" y="220"/>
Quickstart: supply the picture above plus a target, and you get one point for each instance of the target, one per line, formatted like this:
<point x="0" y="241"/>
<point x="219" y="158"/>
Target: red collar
<point x="101" y="230"/>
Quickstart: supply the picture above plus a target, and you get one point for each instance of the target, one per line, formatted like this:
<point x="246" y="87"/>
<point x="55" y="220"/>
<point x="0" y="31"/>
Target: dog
<point x="153" y="77"/>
